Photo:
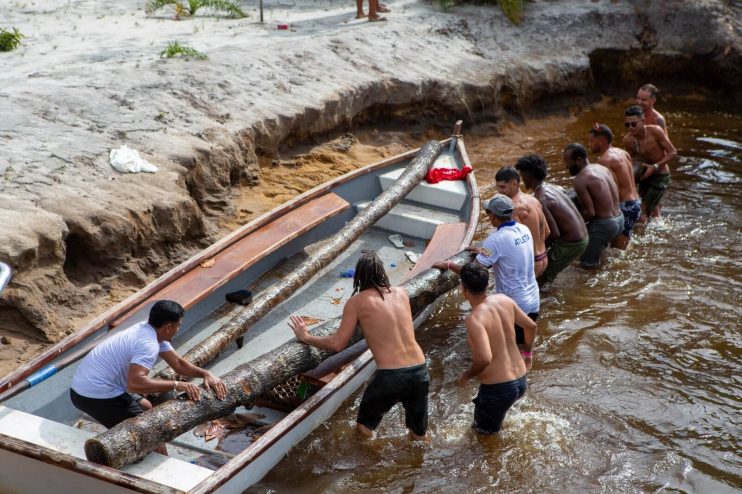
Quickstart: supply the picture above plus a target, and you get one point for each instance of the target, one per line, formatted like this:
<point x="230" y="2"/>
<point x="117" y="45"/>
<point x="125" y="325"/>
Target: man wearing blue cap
<point x="509" y="252"/>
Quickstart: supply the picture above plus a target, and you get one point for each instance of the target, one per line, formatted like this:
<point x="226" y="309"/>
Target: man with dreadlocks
<point x="384" y="315"/>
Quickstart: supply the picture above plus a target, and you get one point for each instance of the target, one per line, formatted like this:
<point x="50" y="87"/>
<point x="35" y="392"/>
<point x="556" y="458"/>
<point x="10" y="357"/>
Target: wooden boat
<point x="42" y="434"/>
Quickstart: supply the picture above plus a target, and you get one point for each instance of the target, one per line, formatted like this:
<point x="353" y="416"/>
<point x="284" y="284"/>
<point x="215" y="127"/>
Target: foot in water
<point x="383" y="9"/>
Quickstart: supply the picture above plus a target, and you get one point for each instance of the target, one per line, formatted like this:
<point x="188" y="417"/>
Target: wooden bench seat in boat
<point x="200" y="282"/>
<point x="414" y="221"/>
<point x="445" y="243"/>
<point x="448" y="194"/>
<point x="61" y="438"/>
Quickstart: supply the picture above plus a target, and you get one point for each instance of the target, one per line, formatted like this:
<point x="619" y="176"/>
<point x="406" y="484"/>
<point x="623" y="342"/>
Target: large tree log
<point x="134" y="438"/>
<point x="208" y="349"/>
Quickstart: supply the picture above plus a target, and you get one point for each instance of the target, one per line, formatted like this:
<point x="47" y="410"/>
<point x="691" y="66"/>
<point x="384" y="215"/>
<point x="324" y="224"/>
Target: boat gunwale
<point x="133" y="301"/>
<point x="357" y="365"/>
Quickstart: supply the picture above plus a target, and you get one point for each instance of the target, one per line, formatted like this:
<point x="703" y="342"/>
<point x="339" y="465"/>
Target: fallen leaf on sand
<point x="208" y="263"/>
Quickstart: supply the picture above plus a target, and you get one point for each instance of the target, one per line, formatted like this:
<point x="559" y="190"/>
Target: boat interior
<point x="432" y="216"/>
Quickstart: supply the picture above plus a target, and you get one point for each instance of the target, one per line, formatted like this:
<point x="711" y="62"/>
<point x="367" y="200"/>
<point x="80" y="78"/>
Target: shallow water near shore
<point x="636" y="381"/>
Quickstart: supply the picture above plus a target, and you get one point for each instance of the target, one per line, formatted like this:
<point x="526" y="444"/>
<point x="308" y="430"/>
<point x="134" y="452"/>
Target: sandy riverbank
<point x="223" y="131"/>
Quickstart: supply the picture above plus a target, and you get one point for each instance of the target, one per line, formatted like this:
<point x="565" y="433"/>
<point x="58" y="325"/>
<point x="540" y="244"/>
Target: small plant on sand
<point x="446" y="4"/>
<point x="513" y="10"/>
<point x="9" y="40"/>
<point x="174" y="49"/>
<point x="188" y="8"/>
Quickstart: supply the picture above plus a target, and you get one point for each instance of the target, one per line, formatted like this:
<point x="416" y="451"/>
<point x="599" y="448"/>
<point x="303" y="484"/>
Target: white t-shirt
<point x="510" y="251"/>
<point x="104" y="372"/>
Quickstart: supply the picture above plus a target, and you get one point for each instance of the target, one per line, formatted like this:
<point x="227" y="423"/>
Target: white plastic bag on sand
<point x="127" y="160"/>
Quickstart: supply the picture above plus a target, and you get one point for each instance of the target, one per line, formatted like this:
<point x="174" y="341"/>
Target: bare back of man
<point x="529" y="212"/>
<point x="387" y="327"/>
<point x="565" y="222"/>
<point x="619" y="162"/>
<point x="498" y="315"/>
<point x="598" y="192"/>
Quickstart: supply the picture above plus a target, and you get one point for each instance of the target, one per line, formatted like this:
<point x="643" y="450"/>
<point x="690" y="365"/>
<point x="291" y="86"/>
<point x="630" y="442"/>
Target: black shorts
<point x="520" y="338"/>
<point x="391" y="386"/>
<point x="493" y="401"/>
<point x="108" y="411"/>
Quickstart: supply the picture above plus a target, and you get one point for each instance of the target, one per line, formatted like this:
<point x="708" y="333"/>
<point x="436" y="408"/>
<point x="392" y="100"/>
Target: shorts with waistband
<point x="493" y="402"/>
<point x="631" y="211"/>
<point x="388" y="387"/>
<point x="652" y="189"/>
<point x="108" y="411"/>
<point x="561" y="254"/>
<point x="601" y="232"/>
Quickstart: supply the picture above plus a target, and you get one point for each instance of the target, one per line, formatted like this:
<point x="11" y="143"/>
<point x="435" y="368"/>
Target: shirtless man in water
<point x="650" y="147"/>
<point x="598" y="194"/>
<point x="568" y="237"/>
<point x="384" y="315"/>
<point x="646" y="97"/>
<point x="497" y="362"/>
<point x="618" y="161"/>
<point x="528" y="212"/>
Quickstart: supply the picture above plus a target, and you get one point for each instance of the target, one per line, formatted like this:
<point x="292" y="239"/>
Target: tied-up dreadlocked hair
<point x="370" y="273"/>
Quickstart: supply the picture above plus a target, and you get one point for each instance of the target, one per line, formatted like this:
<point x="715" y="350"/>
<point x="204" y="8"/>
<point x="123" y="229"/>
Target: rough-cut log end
<point x="97" y="453"/>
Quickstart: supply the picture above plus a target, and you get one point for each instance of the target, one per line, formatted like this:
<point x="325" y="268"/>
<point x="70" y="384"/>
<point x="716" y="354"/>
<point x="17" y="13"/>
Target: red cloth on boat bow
<point x="436" y="175"/>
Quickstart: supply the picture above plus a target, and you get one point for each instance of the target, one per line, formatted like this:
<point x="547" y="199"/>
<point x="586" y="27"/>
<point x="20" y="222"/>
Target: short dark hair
<point x="506" y="174"/>
<point x="165" y="311"/>
<point x="474" y="277"/>
<point x="370" y="273"/>
<point x="576" y="151"/>
<point x="634" y="111"/>
<point x="602" y="130"/>
<point x="651" y="89"/>
<point x="533" y="164"/>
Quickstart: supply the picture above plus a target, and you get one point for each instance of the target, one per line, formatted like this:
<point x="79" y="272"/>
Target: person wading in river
<point x="527" y="211"/>
<point x="598" y="195"/>
<point x="619" y="163"/>
<point x="110" y="380"/>
<point x="568" y="238"/>
<point x="646" y="98"/>
<point x="651" y="150"/>
<point x="384" y="315"/>
<point x="496" y="362"/>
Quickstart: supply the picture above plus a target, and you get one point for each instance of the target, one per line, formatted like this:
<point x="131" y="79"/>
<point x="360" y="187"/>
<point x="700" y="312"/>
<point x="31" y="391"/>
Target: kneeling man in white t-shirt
<point x="110" y="380"/>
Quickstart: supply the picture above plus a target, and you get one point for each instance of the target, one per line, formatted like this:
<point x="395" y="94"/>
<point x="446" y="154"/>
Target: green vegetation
<point x="188" y="8"/>
<point x="9" y="40"/>
<point x="175" y="49"/>
<point x="513" y="9"/>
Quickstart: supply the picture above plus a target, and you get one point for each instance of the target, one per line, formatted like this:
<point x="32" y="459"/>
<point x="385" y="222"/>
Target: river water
<point x="636" y="383"/>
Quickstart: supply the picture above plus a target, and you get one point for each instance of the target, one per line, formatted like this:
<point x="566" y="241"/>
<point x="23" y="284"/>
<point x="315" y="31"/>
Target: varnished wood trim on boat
<point x="83" y="467"/>
<point x="199" y="283"/>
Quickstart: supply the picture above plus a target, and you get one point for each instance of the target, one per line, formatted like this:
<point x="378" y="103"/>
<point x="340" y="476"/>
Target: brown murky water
<point x="636" y="383"/>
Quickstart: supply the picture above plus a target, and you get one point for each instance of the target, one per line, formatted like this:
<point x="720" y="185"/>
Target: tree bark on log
<point x="134" y="438"/>
<point x="208" y="349"/>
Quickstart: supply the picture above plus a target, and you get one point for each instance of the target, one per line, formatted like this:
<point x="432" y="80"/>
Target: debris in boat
<point x="220" y="427"/>
<point x="209" y="263"/>
<point x="310" y="320"/>
<point x="396" y="240"/>
<point x="336" y="301"/>
<point x="348" y="273"/>
<point x="408" y="243"/>
<point x="242" y="297"/>
<point x="412" y="256"/>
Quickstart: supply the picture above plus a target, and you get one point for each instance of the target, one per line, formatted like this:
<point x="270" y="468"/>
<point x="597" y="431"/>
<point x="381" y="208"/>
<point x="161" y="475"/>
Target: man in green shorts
<point x="568" y="238"/>
<point x="649" y="146"/>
